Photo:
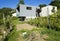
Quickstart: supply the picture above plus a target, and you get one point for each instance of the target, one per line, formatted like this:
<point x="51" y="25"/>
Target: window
<point x="28" y="8"/>
<point x="53" y="9"/>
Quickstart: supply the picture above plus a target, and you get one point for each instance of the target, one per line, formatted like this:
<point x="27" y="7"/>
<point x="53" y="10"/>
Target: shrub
<point x="12" y="36"/>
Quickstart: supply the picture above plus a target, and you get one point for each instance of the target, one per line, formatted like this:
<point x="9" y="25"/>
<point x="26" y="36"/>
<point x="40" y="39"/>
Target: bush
<point x="52" y="34"/>
<point x="39" y="22"/>
<point x="54" y="22"/>
<point x="12" y="36"/>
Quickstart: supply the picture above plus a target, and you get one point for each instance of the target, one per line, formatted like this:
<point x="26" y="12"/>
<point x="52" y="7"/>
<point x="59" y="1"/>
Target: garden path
<point x="25" y="26"/>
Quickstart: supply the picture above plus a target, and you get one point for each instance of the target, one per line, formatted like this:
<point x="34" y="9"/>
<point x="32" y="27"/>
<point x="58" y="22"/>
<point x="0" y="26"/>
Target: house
<point x="27" y="11"/>
<point x="48" y="10"/>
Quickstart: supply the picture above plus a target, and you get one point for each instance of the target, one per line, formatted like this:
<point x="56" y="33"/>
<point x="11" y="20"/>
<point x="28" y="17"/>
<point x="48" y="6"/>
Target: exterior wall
<point x="14" y="14"/>
<point x="47" y="11"/>
<point x="17" y="13"/>
<point x="55" y="9"/>
<point x="27" y="13"/>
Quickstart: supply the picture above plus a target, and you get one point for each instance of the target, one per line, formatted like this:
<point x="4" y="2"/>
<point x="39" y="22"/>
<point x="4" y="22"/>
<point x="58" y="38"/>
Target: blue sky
<point x="13" y="3"/>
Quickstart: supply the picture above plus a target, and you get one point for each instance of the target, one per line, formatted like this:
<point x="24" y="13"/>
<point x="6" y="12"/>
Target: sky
<point x="13" y="3"/>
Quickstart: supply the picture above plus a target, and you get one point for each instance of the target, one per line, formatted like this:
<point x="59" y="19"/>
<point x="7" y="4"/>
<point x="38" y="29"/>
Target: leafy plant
<point x="12" y="36"/>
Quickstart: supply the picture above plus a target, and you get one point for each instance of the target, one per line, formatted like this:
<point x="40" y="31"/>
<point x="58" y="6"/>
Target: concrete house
<point x="48" y="10"/>
<point x="27" y="11"/>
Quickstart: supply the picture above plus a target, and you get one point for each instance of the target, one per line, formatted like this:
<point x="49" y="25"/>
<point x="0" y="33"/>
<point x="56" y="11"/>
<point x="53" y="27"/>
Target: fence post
<point x="48" y="18"/>
<point x="4" y="19"/>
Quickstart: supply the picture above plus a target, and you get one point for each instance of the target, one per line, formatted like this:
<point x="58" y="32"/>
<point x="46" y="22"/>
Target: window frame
<point x="28" y="8"/>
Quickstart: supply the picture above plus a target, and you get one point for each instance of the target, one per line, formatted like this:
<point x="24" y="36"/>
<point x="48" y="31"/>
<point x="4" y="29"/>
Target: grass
<point x="41" y="24"/>
<point x="52" y="34"/>
<point x="16" y="21"/>
<point x="12" y="36"/>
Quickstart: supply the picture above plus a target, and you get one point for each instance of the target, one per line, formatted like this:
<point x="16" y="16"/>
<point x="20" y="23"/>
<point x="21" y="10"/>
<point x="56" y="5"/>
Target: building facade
<point x="28" y="11"/>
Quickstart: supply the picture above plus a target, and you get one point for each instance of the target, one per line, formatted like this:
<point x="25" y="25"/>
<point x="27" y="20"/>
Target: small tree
<point x="42" y="5"/>
<point x="55" y="3"/>
<point x="38" y="12"/>
<point x="21" y="2"/>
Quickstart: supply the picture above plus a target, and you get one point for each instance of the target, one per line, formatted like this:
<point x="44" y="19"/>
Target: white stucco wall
<point x="32" y="13"/>
<point x="47" y="11"/>
<point x="14" y="14"/>
<point x="28" y="13"/>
